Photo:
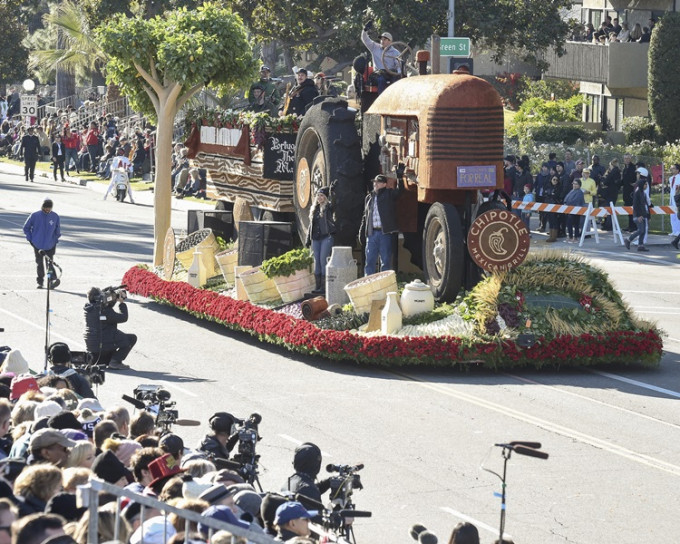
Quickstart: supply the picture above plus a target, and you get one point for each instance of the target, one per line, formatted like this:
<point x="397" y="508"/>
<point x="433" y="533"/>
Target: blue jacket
<point x="43" y="230"/>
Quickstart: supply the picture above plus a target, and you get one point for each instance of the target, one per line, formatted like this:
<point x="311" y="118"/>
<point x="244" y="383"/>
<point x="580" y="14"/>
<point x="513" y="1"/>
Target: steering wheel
<point x="404" y="56"/>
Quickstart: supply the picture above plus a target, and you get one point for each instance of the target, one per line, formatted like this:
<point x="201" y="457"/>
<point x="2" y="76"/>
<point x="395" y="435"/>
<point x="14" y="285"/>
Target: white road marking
<point x="475" y="522"/>
<point x="595" y="401"/>
<point x="636" y="383"/>
<point x="674" y="339"/>
<point x="185" y="391"/>
<point x="549" y="426"/>
<point x="299" y="442"/>
<point x="66" y="339"/>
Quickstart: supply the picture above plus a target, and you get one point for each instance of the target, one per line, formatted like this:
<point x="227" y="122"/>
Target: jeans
<point x="322" y="250"/>
<point x="378" y="244"/>
<point x="573" y="226"/>
<point x="71" y="154"/>
<point x="40" y="262"/>
<point x="92" y="151"/>
<point x="641" y="230"/>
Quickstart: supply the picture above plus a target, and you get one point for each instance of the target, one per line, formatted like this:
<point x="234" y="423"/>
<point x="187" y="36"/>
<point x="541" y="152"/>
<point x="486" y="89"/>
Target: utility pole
<point x="451" y="16"/>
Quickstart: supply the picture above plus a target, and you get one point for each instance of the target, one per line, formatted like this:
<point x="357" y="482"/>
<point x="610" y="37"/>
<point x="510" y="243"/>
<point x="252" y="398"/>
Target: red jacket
<point x="72" y="142"/>
<point x="92" y="137"/>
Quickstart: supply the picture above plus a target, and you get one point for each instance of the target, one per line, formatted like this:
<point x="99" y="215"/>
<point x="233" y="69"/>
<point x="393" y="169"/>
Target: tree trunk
<point x="270" y="55"/>
<point x="162" y="192"/>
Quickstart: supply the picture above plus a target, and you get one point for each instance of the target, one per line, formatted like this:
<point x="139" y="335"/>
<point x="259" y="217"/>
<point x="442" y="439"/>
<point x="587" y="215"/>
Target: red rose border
<point x="643" y="347"/>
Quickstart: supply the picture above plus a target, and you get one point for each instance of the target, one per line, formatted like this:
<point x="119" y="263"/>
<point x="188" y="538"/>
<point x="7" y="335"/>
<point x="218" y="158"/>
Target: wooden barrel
<point x="203" y="240"/>
<point x="227" y="260"/>
<point x="293" y="287"/>
<point x="260" y="289"/>
<point x="364" y="291"/>
<point x="313" y="308"/>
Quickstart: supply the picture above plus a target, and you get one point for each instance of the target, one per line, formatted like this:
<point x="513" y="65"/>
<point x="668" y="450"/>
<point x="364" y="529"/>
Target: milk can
<point x="417" y="298"/>
<point x="391" y="315"/>
<point x="341" y="269"/>
<point x="197" y="273"/>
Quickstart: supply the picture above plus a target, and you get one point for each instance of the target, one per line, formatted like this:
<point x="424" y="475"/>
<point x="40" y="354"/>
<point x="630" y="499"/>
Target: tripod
<point x="52" y="282"/>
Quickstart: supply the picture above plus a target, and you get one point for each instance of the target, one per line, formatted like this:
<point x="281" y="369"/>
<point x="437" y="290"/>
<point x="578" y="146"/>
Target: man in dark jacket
<point x="307" y="464"/>
<point x="60" y="359"/>
<point x="30" y="147"/>
<point x="220" y="441"/>
<point x="101" y="328"/>
<point x="302" y="94"/>
<point x="379" y="224"/>
<point x="628" y="179"/>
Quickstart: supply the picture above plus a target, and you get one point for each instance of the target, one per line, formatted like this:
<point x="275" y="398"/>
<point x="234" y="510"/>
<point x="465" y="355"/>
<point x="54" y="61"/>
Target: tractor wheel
<point x="443" y="251"/>
<point x="328" y="151"/>
<point x="474" y="274"/>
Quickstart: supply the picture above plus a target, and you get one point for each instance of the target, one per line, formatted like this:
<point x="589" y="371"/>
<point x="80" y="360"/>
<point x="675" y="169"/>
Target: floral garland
<point x="629" y="347"/>
<point x="260" y="122"/>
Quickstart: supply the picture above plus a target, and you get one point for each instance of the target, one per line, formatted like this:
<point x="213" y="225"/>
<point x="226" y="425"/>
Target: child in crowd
<point x="527" y="199"/>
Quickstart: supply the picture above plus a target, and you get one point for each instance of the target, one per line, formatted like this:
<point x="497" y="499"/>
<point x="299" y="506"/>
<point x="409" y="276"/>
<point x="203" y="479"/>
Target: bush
<point x="664" y="78"/>
<point x="547" y="89"/>
<point x="537" y="111"/>
<point x="639" y="129"/>
<point x="552" y="133"/>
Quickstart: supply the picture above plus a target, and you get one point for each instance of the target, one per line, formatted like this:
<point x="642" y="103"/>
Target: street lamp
<point x="28" y="85"/>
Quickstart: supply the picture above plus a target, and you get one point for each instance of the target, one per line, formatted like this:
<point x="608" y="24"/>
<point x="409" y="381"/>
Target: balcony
<point x="622" y="67"/>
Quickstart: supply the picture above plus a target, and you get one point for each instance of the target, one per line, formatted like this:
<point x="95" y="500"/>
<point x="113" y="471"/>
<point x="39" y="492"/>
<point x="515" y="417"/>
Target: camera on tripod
<point x="340" y="517"/>
<point x="155" y="400"/>
<point x="110" y="295"/>
<point x="248" y="436"/>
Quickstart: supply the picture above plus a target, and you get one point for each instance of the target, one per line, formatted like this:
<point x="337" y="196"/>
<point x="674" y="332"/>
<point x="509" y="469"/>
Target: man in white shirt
<point x="382" y="51"/>
<point x="674" y="182"/>
<point x="120" y="167"/>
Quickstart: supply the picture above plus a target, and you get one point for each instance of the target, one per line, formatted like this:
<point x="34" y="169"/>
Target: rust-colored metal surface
<point x="460" y="124"/>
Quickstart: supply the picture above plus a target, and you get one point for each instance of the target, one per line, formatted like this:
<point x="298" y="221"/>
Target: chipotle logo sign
<point x="498" y="240"/>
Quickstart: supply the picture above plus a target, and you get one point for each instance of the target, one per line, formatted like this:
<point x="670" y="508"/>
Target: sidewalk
<point x="141" y="197"/>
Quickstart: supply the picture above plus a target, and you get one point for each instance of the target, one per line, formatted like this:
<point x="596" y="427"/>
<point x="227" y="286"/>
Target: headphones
<point x="58" y="348"/>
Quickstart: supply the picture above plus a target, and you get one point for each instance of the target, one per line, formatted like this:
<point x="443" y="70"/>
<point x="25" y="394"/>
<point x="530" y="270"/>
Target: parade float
<point x="554" y="310"/>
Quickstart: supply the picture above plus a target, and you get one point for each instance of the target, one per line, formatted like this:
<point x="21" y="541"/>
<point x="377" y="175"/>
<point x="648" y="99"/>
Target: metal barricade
<point x="88" y="497"/>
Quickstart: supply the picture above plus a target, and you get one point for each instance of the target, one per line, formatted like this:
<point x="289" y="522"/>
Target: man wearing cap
<point x="588" y="186"/>
<point x="260" y="102"/>
<point x="30" y="146"/>
<point x="49" y="446"/>
<point x="379" y="51"/>
<point x="292" y="519"/>
<point x="43" y="230"/>
<point x="269" y="88"/>
<point x="302" y="94"/>
<point x="379" y="224"/>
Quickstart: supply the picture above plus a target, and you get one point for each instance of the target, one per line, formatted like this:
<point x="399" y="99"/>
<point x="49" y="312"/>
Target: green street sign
<point x="454" y="47"/>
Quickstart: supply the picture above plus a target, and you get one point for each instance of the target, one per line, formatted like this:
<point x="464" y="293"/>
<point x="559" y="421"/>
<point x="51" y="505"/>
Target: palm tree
<point x="75" y="51"/>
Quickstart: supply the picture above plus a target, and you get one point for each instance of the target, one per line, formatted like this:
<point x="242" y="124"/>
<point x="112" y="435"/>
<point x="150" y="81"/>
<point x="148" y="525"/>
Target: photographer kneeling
<point x="102" y="336"/>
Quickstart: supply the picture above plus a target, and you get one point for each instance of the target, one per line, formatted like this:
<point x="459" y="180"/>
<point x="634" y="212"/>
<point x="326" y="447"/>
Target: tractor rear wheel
<point x="328" y="152"/>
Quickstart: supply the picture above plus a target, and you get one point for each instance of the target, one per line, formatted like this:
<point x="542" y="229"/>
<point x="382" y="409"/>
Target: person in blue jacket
<point x="43" y="230"/>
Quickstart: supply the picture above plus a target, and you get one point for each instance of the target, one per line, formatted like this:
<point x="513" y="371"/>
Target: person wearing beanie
<point x="109" y="468"/>
<point x="15" y="363"/>
<point x="47" y="408"/>
<point x="320" y="235"/>
<point x="220" y="442"/>
<point x="59" y="357"/>
<point x="43" y="230"/>
<point x="64" y="419"/>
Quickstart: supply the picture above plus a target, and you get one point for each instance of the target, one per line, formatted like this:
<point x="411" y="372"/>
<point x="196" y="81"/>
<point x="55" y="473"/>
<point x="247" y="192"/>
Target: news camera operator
<point x="102" y="336"/>
<point x="59" y="356"/>
<point x="220" y="441"/>
<point x="307" y="464"/>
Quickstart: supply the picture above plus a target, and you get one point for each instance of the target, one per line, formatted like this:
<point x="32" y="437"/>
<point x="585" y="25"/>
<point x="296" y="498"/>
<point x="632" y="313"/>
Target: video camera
<point x="248" y="437"/>
<point x="155" y="400"/>
<point x="340" y="517"/>
<point x="80" y="362"/>
<point x="110" y="295"/>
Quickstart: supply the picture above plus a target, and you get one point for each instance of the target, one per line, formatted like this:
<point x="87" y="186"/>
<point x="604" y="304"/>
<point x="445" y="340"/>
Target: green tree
<point x="664" y="78"/>
<point x="14" y="59"/>
<point x="162" y="62"/>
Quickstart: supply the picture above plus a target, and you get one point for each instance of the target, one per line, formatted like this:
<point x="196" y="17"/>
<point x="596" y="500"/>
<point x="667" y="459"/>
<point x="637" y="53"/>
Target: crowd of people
<point x="571" y="182"/>
<point x="55" y="435"/>
<point x="610" y="30"/>
<point x="64" y="139"/>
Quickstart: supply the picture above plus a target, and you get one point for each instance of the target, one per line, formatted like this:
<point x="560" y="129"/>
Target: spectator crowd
<point x="610" y="30"/>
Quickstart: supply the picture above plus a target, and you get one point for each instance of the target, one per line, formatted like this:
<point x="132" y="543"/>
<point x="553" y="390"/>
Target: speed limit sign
<point x="29" y="105"/>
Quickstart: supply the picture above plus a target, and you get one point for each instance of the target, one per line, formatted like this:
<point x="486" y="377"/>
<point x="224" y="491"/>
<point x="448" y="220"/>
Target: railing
<point x="88" y="497"/>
